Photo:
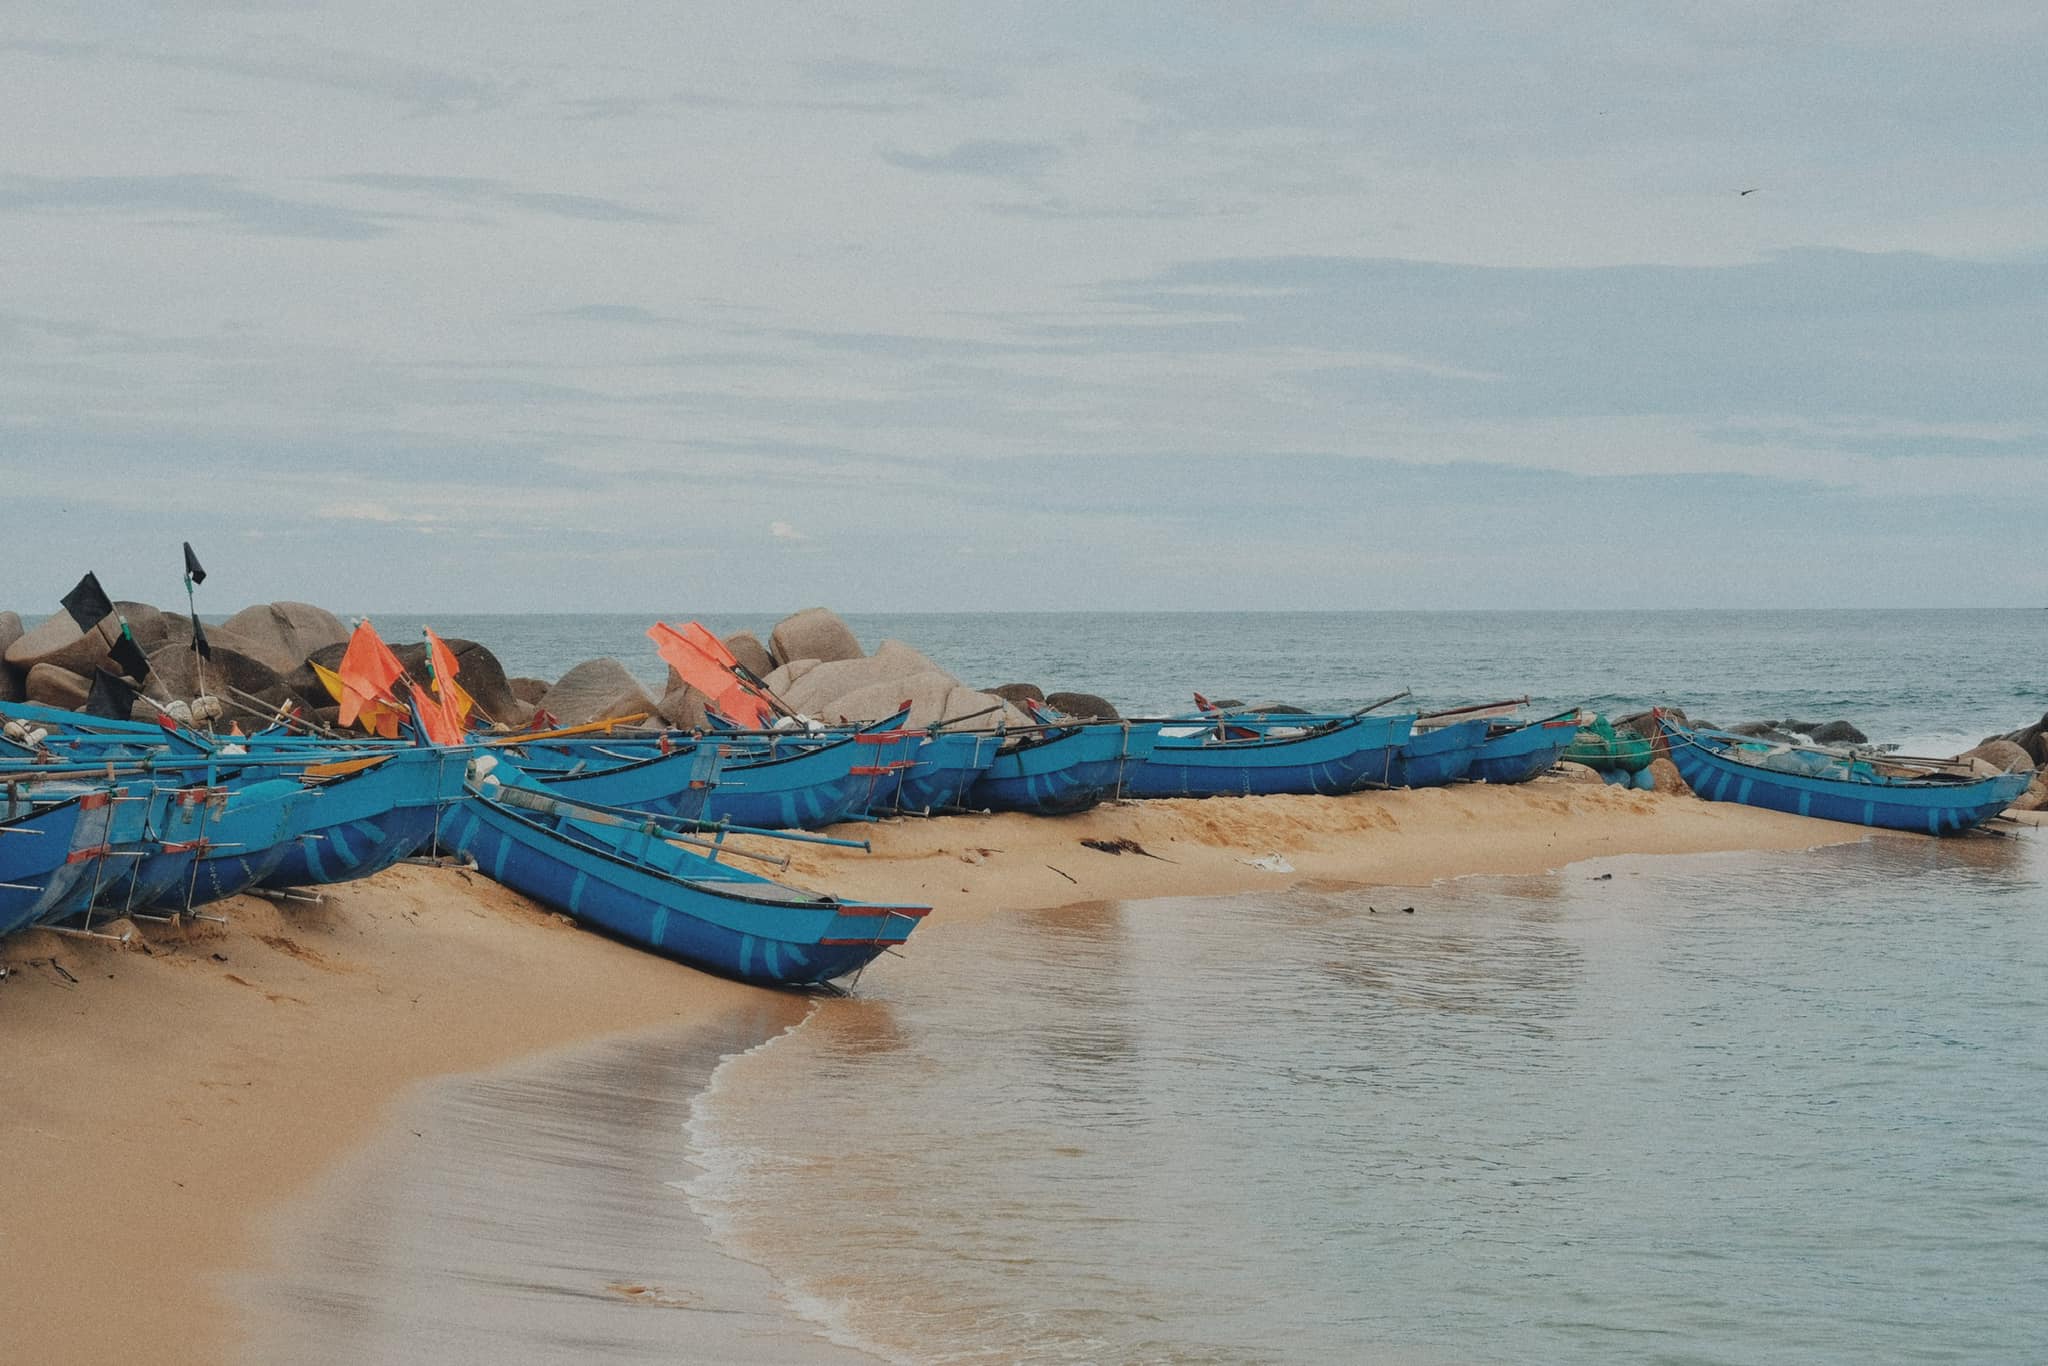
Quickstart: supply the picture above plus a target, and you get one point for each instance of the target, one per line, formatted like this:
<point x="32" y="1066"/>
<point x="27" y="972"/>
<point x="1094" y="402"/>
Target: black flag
<point x="193" y="570"/>
<point x="88" y="603"/>
<point x="110" y="697"/>
<point x="129" y="656"/>
<point x="199" y="641"/>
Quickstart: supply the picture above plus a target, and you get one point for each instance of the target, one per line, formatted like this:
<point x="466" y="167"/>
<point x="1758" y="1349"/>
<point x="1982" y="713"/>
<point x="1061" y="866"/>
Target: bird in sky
<point x="1751" y="190"/>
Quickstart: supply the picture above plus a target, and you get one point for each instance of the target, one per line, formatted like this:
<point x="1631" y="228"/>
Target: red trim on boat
<point x="914" y="912"/>
<point x="92" y="801"/>
<point x="81" y="855"/>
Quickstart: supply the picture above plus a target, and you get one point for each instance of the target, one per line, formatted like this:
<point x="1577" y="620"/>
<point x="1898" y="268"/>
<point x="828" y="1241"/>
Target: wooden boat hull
<point x="1518" y="755"/>
<point x="244" y="843"/>
<point x="1067" y="773"/>
<point x="636" y="887"/>
<point x="1439" y="755"/>
<point x="1331" y="759"/>
<point x="1927" y="808"/>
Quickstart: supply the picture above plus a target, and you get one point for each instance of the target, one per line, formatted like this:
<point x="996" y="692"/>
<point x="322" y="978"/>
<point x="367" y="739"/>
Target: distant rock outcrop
<point x="13" y="681"/>
<point x="1083" y="704"/>
<point x="2003" y="755"/>
<point x="50" y="685"/>
<point x="752" y="655"/>
<point x="284" y="634"/>
<point x="593" y="690"/>
<point x="814" y="633"/>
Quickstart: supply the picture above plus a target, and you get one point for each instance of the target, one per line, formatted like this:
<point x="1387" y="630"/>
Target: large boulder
<point x="594" y="690"/>
<point x="2036" y="795"/>
<point x="1083" y="704"/>
<point x="249" y="689"/>
<point x="1578" y="773"/>
<point x="817" y="693"/>
<point x="683" y="706"/>
<point x="927" y="693"/>
<point x="747" y="648"/>
<point x="58" y="642"/>
<point x="479" y="673"/>
<point x="13" y="681"/>
<point x="1018" y="692"/>
<point x="988" y="712"/>
<point x="814" y="633"/>
<point x="529" y="690"/>
<point x="149" y="625"/>
<point x="1838" y="733"/>
<point x="783" y="677"/>
<point x="2003" y="755"/>
<point x="283" y="634"/>
<point x="51" y="686"/>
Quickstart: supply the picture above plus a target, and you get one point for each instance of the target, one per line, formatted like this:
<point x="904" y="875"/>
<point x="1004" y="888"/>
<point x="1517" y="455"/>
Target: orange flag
<point x="443" y="665"/>
<point x="701" y="660"/>
<point x="368" y="672"/>
<point x="440" y="718"/>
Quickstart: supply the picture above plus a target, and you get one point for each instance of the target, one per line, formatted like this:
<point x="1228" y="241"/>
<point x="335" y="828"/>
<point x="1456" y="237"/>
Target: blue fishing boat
<point x="251" y="830"/>
<point x="37" y="844"/>
<point x="1267" y="755"/>
<point x="943" y="769"/>
<point x="172" y="837"/>
<point x="1063" y="770"/>
<point x="1437" y="755"/>
<point x="632" y="883"/>
<point x="1810" y="782"/>
<point x="1515" y="754"/>
<point x="796" y="784"/>
<point x="366" y="814"/>
<point x="678" y="783"/>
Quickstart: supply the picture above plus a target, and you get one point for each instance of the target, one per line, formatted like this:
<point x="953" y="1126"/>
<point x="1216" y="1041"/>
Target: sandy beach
<point x="168" y="1096"/>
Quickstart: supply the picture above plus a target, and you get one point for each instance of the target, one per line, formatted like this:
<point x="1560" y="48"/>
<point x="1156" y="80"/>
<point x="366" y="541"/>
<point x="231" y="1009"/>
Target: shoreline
<point x="170" y="1101"/>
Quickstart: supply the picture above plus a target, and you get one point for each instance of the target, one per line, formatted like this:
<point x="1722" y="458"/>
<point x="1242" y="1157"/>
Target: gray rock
<point x="284" y="634"/>
<point x="2003" y="755"/>
<point x="250" y="689"/>
<point x="988" y="711"/>
<point x="818" y="692"/>
<point x="747" y="648"/>
<point x="58" y="642"/>
<point x="594" y="690"/>
<point x="52" y="686"/>
<point x="1083" y="704"/>
<point x="683" y="706"/>
<point x="814" y="633"/>
<point x="1838" y="733"/>
<point x="150" y="626"/>
<point x="1018" y="692"/>
<point x="1577" y="773"/>
<point x="13" y="681"/>
<point x="927" y="693"/>
<point x="784" y="676"/>
<point x="529" y="690"/>
<point x="2036" y="795"/>
<point x="1761" y="730"/>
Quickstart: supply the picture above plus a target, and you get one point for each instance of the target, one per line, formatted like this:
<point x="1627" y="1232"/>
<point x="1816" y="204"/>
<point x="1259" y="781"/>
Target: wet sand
<point x="164" y="1102"/>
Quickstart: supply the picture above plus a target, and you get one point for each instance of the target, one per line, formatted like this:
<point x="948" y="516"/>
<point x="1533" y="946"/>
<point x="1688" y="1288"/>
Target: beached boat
<point x="1062" y="769"/>
<point x="1436" y="755"/>
<point x="943" y="768"/>
<point x="1515" y="754"/>
<point x="38" y="844"/>
<point x="366" y="814"/>
<point x="631" y="882"/>
<point x="1837" y="787"/>
<point x="678" y="783"/>
<point x="1258" y="755"/>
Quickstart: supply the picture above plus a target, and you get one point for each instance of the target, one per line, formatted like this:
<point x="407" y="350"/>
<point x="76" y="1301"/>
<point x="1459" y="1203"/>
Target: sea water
<point x="1717" y="1108"/>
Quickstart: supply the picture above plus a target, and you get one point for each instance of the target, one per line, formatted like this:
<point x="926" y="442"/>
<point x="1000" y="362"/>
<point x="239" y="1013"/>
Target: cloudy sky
<point x="679" y="307"/>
